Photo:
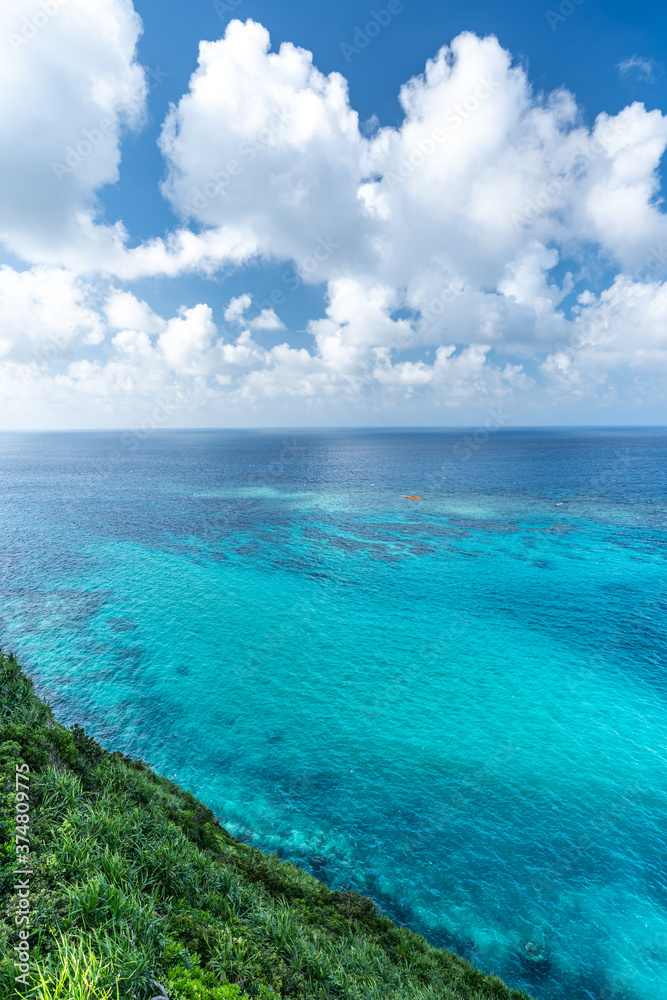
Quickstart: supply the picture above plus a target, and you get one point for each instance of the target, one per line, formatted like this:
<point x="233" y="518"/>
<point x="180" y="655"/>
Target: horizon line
<point x="150" y="432"/>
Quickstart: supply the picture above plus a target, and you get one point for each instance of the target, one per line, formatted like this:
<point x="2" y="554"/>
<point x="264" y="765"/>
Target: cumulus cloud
<point x="237" y="308"/>
<point x="125" y="312"/>
<point x="450" y="248"/>
<point x="283" y="158"/>
<point x="480" y="169"/>
<point x="266" y="319"/>
<point x="45" y="315"/>
<point x="69" y="87"/>
<point x="623" y="329"/>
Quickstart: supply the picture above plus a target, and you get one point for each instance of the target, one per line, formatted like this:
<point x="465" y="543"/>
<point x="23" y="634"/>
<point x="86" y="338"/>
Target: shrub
<point x="77" y="974"/>
<point x="136" y="883"/>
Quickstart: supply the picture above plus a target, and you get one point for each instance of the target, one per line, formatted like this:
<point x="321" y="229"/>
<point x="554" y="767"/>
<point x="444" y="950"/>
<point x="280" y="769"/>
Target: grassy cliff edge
<point x="135" y="890"/>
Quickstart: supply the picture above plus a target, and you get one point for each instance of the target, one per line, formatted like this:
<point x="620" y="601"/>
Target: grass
<point x="138" y="892"/>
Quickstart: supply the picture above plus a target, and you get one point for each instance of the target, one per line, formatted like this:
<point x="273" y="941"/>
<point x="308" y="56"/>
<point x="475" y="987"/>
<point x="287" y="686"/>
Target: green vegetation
<point x="137" y="891"/>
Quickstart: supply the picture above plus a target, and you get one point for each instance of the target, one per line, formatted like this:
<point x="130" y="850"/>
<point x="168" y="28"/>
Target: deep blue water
<point x="455" y="705"/>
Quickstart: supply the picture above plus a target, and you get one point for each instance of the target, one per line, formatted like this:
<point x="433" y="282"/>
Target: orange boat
<point x="407" y="497"/>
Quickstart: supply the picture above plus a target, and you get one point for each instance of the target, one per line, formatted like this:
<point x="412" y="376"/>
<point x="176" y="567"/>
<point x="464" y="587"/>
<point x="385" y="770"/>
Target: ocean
<point x="454" y="704"/>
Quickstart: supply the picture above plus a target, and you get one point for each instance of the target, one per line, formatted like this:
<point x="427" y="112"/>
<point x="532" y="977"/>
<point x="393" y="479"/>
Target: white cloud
<point x="447" y="247"/>
<point x="44" y="316"/>
<point x="266" y="319"/>
<point x="265" y="143"/>
<point x="125" y="312"/>
<point x="619" y="203"/>
<point x="237" y="308"/>
<point x="622" y="329"/>
<point x="480" y="168"/>
<point x="645" y="69"/>
<point x="187" y="340"/>
<point x="69" y="86"/>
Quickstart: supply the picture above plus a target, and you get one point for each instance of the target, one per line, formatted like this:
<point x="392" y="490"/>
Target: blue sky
<point x="365" y="342"/>
<point x="582" y="52"/>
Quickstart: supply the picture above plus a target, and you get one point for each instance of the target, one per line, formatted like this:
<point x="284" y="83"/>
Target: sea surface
<point x="455" y="705"/>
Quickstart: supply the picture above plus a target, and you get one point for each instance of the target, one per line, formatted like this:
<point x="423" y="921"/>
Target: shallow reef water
<point x="455" y="705"/>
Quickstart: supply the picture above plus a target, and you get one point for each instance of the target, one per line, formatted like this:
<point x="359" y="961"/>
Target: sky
<point x="240" y="213"/>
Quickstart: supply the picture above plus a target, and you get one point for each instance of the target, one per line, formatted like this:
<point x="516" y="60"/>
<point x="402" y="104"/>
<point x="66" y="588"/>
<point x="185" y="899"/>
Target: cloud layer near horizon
<point x="493" y="247"/>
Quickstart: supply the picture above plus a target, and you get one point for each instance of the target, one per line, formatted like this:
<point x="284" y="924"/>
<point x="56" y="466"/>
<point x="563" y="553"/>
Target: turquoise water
<point x="454" y="705"/>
